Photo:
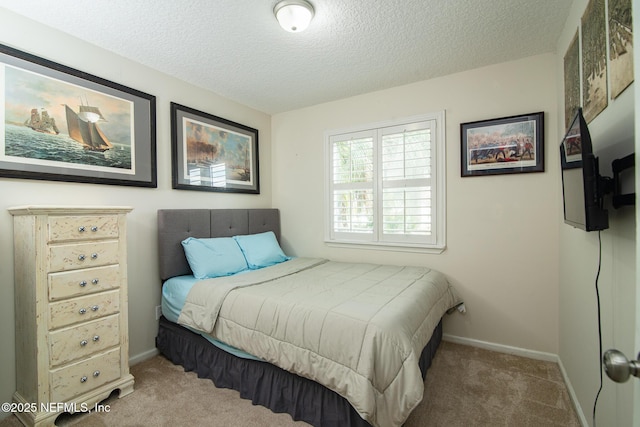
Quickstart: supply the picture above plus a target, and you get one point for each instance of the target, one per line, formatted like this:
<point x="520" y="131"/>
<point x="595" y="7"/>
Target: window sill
<point x="394" y="247"/>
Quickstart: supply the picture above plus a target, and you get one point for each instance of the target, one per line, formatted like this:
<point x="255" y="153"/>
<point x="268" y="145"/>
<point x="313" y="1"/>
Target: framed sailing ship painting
<point x="62" y="124"/>
<point x="210" y="153"/>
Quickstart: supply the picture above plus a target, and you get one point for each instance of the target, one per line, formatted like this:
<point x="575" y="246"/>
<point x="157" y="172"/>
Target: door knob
<point x="618" y="367"/>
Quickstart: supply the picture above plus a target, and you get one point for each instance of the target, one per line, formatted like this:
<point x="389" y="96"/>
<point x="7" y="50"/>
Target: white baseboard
<point x="572" y="394"/>
<point x="531" y="354"/>
<point x="143" y="356"/>
<point x="500" y="348"/>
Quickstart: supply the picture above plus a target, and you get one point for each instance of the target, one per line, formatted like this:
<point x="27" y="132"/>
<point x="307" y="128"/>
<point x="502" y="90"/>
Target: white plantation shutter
<point x="406" y="183"/>
<point x="386" y="184"/>
<point x="353" y="185"/>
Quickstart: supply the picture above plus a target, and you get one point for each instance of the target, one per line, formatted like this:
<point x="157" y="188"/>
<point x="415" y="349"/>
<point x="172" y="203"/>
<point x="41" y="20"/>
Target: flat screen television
<point x="582" y="186"/>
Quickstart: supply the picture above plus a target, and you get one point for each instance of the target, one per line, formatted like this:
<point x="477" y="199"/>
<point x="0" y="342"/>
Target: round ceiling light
<point x="293" y="15"/>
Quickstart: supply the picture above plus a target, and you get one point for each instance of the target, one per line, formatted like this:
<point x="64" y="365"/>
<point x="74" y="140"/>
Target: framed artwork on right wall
<point x="594" y="60"/>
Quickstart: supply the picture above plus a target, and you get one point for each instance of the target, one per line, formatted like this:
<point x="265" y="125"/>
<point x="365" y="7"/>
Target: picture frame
<point x="504" y="145"/>
<point x="210" y="153"/>
<point x="62" y="124"/>
<point x="571" y="80"/>
<point x="620" y="37"/>
<point x="595" y="96"/>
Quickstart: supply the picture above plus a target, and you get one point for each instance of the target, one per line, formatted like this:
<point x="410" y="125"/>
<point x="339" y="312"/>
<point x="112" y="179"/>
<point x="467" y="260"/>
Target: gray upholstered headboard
<point x="175" y="225"/>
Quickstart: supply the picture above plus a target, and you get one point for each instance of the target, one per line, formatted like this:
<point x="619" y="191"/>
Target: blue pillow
<point x="213" y="257"/>
<point x="261" y="250"/>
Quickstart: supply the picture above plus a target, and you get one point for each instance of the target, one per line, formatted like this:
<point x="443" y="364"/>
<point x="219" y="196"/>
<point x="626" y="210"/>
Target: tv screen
<point x="581" y="181"/>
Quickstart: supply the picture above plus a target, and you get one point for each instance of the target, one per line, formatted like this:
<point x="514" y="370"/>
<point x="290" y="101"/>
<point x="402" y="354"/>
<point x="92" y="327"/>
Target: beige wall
<point x="612" y="133"/>
<point x="144" y="286"/>
<point x="502" y="231"/>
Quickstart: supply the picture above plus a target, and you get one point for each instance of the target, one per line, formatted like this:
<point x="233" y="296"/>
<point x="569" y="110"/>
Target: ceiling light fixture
<point x="293" y="15"/>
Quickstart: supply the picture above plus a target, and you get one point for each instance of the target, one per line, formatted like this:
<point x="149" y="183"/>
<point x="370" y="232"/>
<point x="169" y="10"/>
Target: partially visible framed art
<point x="62" y="124"/>
<point x="595" y="97"/>
<point x="502" y="146"/>
<point x="210" y="153"/>
<point x="571" y="80"/>
<point x="620" y="45"/>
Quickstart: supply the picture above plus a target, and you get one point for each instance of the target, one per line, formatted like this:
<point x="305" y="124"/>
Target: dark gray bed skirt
<point x="265" y="384"/>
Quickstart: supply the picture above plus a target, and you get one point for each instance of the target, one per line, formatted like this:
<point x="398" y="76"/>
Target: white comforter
<point x="358" y="329"/>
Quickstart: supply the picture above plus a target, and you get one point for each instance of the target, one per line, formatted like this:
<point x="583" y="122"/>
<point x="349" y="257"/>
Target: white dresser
<point x="72" y="345"/>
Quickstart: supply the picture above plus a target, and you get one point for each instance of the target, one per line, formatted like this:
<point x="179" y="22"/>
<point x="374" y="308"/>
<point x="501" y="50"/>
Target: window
<point x="385" y="184"/>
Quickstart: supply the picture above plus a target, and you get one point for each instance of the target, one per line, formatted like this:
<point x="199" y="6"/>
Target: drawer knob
<point x="95" y="281"/>
<point x="94" y="308"/>
<point x="94" y="256"/>
<point x="83" y="343"/>
<point x="81" y="257"/>
<point x="94" y="228"/>
<point x="96" y="338"/>
<point x="83" y="379"/>
<point x="82" y="311"/>
<point x="82" y="229"/>
<point x="83" y="283"/>
<point x="96" y="373"/>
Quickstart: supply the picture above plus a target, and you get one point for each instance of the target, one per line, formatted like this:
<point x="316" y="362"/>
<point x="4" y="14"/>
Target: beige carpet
<point x="465" y="386"/>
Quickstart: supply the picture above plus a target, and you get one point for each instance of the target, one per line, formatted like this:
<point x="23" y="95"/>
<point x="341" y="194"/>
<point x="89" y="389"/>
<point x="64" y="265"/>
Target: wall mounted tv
<point x="583" y="189"/>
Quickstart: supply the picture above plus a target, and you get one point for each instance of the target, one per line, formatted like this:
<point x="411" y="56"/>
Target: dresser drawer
<point x="83" y="282"/>
<point x="83" y="340"/>
<point x="84" y="376"/>
<point x="75" y="310"/>
<point x="82" y="255"/>
<point x="63" y="228"/>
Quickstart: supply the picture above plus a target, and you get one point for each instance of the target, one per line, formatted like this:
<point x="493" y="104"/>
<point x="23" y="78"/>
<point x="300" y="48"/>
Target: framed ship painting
<point x="210" y="153"/>
<point x="62" y="124"/>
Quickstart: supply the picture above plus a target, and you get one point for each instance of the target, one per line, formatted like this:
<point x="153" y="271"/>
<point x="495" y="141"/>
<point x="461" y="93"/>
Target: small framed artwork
<point x="61" y="124"/>
<point x="210" y="153"/>
<point x="501" y="146"/>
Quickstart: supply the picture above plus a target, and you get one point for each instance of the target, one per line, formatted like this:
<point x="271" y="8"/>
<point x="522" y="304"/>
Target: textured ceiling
<point x="235" y="47"/>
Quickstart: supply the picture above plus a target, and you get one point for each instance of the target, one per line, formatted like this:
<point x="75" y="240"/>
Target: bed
<point x="302" y="336"/>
